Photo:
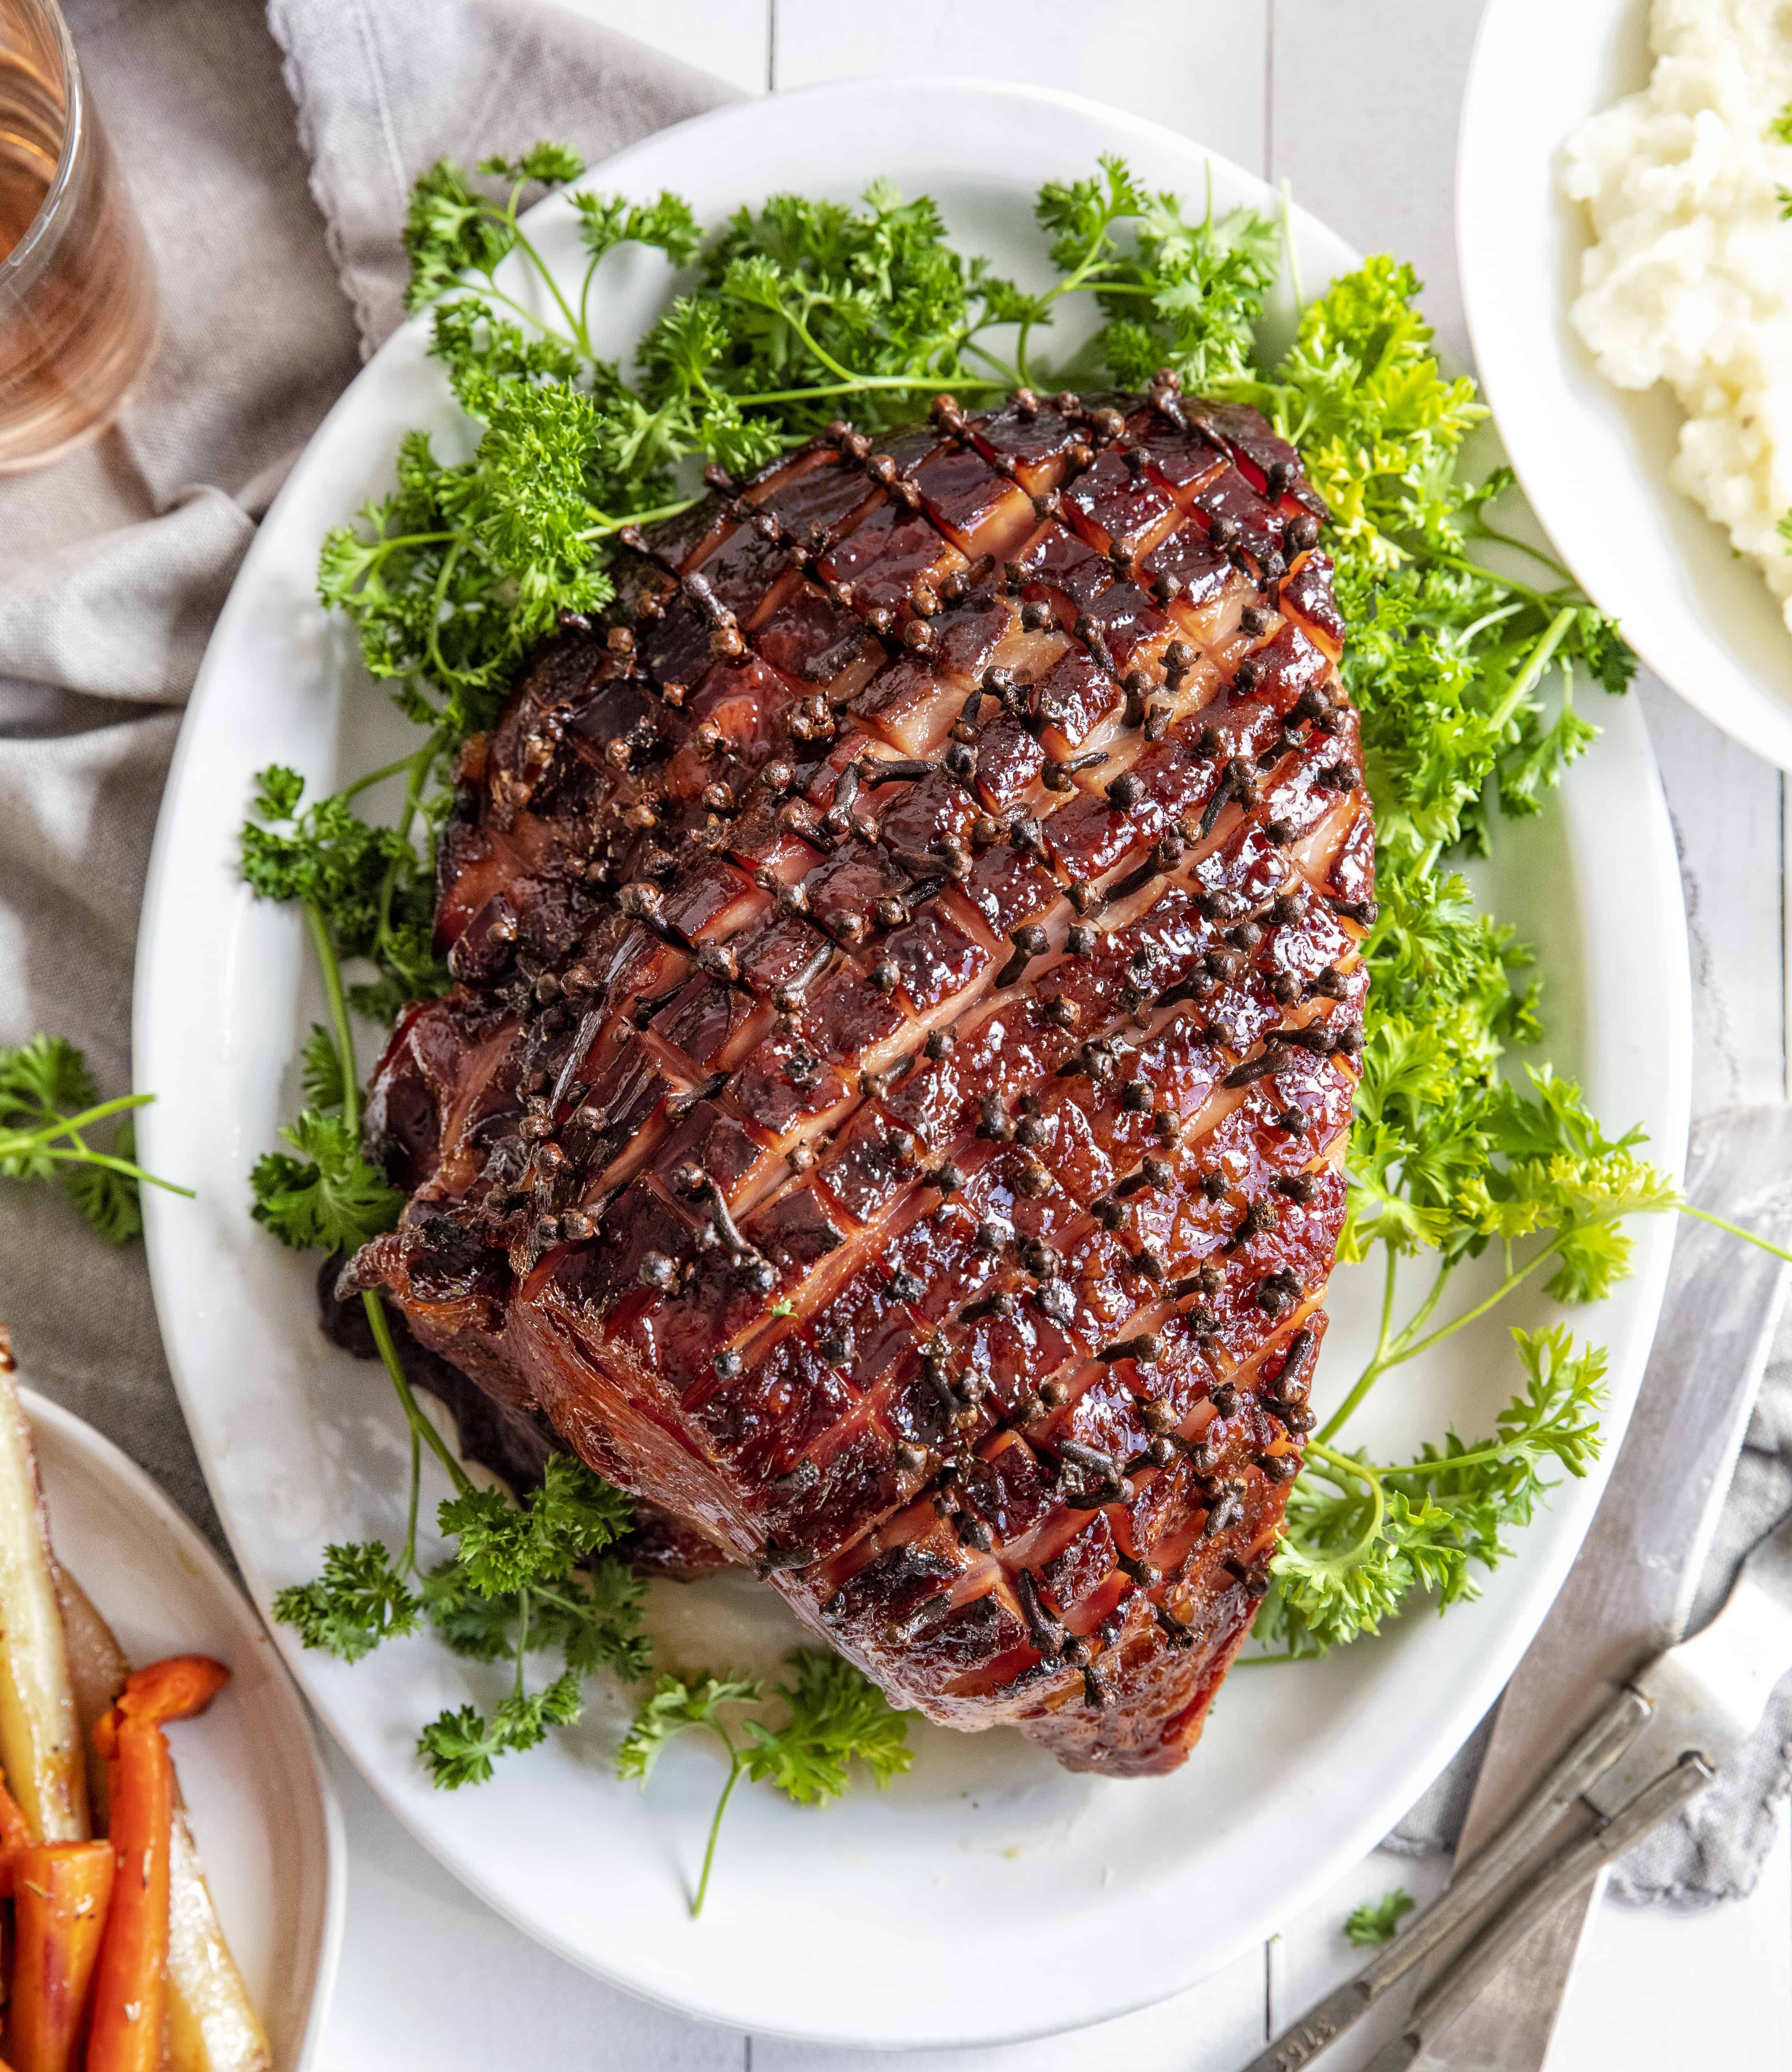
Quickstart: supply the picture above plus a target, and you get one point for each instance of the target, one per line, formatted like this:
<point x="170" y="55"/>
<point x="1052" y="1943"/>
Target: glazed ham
<point x="907" y="1005"/>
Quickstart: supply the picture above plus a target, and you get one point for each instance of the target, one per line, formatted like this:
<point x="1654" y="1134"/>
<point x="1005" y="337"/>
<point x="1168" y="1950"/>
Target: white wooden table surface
<point x="1355" y="101"/>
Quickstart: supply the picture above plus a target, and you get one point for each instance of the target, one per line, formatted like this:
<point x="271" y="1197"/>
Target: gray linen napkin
<point x="120" y="556"/>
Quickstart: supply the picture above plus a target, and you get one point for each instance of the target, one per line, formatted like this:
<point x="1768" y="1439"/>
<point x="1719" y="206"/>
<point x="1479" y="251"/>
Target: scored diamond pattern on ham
<point x="907" y="998"/>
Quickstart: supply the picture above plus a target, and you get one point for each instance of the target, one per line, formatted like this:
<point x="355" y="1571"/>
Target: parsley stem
<point x="1483" y="531"/>
<point x="378" y="776"/>
<point x="408" y="1565"/>
<point x="1420" y="1316"/>
<point x="331" y="972"/>
<point x="1541" y="599"/>
<point x="420" y="764"/>
<point x="1550" y="639"/>
<point x="606" y="526"/>
<point x="827" y="359"/>
<point x="854" y="384"/>
<point x="1406" y="1350"/>
<point x="584" y="299"/>
<point x="1091" y="262"/>
<point x="375" y="551"/>
<point x="433" y="646"/>
<point x="1735" y="1230"/>
<point x="1290" y="252"/>
<point x="1378" y="1360"/>
<point x="60" y="1125"/>
<point x="420" y="1425"/>
<point x="83" y="1156"/>
<point x="1011" y="376"/>
<point x="1340" y="1467"/>
<point x="736" y="1766"/>
<point x="573" y="326"/>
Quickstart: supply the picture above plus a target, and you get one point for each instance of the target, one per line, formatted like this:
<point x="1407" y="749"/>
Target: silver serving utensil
<point x="1628" y="1596"/>
<point x="1656" y="1746"/>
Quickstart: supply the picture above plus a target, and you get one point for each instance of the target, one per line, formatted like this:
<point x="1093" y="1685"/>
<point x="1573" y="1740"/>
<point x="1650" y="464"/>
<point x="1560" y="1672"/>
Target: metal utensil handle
<point x="1477" y="1885"/>
<point x="1565" y="1874"/>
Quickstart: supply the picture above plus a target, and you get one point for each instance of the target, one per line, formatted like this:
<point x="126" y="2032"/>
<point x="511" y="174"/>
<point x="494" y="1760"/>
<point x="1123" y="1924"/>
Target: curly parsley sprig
<point x="54" y="1126"/>
<point x="838" y="1717"/>
<point x="1361" y="1537"/>
<point x="1377" y="1922"/>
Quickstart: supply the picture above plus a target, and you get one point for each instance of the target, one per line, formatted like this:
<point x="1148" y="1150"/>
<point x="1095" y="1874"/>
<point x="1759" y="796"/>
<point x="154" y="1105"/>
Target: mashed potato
<point x="1690" y="280"/>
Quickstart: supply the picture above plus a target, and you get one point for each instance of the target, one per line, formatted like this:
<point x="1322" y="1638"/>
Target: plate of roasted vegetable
<point x="888" y="779"/>
<point x="169" y="1863"/>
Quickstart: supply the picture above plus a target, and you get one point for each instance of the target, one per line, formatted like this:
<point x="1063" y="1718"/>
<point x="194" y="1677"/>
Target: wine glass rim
<point x="74" y="97"/>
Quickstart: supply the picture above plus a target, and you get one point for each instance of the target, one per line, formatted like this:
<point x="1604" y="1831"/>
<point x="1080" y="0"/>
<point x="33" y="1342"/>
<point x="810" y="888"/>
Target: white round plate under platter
<point x="1593" y="459"/>
<point x="264" y="1813"/>
<point x="988" y="1895"/>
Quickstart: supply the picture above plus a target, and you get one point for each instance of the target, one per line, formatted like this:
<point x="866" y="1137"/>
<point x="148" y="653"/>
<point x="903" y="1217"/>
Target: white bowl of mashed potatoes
<point x="1624" y="221"/>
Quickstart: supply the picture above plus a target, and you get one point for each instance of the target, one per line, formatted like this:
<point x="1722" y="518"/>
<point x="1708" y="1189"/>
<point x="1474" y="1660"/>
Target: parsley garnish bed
<point x="1464" y="676"/>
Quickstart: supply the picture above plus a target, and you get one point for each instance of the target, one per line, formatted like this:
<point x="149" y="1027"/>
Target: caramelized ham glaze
<point x="889" y="1110"/>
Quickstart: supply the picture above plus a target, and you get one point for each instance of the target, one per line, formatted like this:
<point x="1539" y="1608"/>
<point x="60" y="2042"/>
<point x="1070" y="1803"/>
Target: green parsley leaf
<point x="320" y="1070"/>
<point x="328" y="1198"/>
<point x="1361" y="1538"/>
<point x="838" y="1717"/>
<point x="458" y="1747"/>
<point x="505" y="1548"/>
<point x="674" y="1703"/>
<point x="552" y="165"/>
<point x="359" y="1600"/>
<point x="668" y="224"/>
<point x="46" y="1077"/>
<point x="111" y="1201"/>
<point x="522" y="1721"/>
<point x="1378" y="1921"/>
<point x="372" y="890"/>
<point x="452" y="229"/>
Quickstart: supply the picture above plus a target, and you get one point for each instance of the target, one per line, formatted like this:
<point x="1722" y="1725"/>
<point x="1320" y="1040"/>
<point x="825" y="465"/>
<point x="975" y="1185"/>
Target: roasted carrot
<point x="15" y="1835"/>
<point x="174" y="1688"/>
<point x="130" y="1988"/>
<point x="59" y="1902"/>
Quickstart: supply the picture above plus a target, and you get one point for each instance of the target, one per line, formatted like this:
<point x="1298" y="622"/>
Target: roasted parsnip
<point x="97" y="1667"/>
<point x="40" y="1741"/>
<point x="212" y="2024"/>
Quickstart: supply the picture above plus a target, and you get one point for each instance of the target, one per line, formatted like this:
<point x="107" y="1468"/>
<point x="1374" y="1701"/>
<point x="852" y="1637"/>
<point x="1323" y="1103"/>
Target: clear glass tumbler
<point x="77" y="289"/>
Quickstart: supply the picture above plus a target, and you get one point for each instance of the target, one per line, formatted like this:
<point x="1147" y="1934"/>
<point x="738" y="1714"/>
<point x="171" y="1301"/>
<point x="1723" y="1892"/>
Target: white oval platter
<point x="1593" y="459"/>
<point x="989" y="1895"/>
<point x="264" y="1813"/>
